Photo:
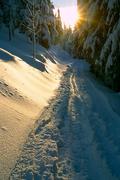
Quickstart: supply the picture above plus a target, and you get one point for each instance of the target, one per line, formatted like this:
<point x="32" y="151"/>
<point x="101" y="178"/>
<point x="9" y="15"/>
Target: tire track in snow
<point x="84" y="150"/>
<point x="74" y="88"/>
<point x="106" y="152"/>
<point x="106" y="131"/>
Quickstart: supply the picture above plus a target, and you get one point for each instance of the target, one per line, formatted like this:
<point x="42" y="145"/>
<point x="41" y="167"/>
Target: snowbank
<point x="25" y="88"/>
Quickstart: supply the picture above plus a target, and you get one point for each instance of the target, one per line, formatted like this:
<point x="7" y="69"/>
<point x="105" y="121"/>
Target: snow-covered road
<point x="77" y="137"/>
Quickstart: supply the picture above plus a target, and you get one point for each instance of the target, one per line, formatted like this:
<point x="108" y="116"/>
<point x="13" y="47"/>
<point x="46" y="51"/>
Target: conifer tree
<point x="35" y="18"/>
<point x="9" y="15"/>
<point x="58" y="25"/>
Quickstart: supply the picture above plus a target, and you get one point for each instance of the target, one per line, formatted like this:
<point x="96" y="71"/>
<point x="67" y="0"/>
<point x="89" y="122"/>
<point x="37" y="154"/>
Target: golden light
<point x="69" y="16"/>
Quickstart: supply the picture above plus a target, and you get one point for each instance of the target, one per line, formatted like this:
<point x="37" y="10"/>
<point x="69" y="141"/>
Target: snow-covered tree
<point x="43" y="21"/>
<point x="1" y="13"/>
<point x="31" y="21"/>
<point x="58" y="26"/>
<point x="8" y="9"/>
<point x="33" y="17"/>
<point x="66" y="40"/>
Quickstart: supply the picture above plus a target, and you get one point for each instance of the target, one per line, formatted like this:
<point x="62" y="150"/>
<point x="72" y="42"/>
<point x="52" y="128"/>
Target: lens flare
<point x="69" y="16"/>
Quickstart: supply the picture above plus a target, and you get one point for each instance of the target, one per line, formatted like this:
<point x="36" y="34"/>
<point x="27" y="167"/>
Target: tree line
<point x="96" y="37"/>
<point x="35" y="18"/>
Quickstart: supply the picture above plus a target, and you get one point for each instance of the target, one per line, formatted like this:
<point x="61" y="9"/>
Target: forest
<point x="97" y="38"/>
<point x="59" y="90"/>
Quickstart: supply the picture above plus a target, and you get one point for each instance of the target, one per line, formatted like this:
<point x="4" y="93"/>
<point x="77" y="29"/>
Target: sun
<point x="69" y="16"/>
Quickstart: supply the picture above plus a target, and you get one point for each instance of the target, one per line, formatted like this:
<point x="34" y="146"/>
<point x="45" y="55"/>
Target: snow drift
<point x="25" y="88"/>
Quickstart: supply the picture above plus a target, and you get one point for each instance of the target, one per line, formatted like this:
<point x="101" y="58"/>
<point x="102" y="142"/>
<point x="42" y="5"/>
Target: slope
<point x="25" y="88"/>
<point x="77" y="135"/>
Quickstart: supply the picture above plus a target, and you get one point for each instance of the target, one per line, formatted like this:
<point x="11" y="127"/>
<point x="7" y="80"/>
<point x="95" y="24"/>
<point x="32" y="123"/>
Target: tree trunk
<point x="34" y="45"/>
<point x="34" y="35"/>
<point x="10" y="32"/>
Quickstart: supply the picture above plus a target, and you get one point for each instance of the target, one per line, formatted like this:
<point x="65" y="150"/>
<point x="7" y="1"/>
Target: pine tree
<point x="31" y="20"/>
<point x="35" y="18"/>
<point x="1" y="12"/>
<point x="58" y="25"/>
<point x="66" y="40"/>
<point x="9" y="15"/>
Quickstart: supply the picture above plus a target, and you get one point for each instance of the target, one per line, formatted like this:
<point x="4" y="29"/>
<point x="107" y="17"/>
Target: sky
<point x="63" y="3"/>
<point x="68" y="10"/>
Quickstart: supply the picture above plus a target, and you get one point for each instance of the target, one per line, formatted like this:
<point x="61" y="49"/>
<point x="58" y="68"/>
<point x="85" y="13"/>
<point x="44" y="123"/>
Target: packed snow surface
<point x="77" y="137"/>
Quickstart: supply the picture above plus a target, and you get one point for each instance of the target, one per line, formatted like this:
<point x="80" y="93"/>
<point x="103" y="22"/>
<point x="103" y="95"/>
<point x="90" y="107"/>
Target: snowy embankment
<point x="77" y="136"/>
<point x="25" y="88"/>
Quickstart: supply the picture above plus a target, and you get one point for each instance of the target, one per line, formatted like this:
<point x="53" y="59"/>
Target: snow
<point x="4" y="55"/>
<point x="92" y="10"/>
<point x="26" y="86"/>
<point x="90" y="43"/>
<point x="111" y="4"/>
<point x="111" y="46"/>
<point x="97" y="37"/>
<point x="109" y="63"/>
<point x="77" y="135"/>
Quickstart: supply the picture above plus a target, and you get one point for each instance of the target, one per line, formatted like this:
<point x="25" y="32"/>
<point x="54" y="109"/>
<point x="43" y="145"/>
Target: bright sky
<point x="63" y="3"/>
<point x="68" y="10"/>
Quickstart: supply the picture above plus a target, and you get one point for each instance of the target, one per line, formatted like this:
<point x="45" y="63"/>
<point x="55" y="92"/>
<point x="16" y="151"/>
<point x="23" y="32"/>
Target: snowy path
<point x="77" y="136"/>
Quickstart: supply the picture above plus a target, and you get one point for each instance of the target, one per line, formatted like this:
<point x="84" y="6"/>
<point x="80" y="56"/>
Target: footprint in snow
<point x="4" y="128"/>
